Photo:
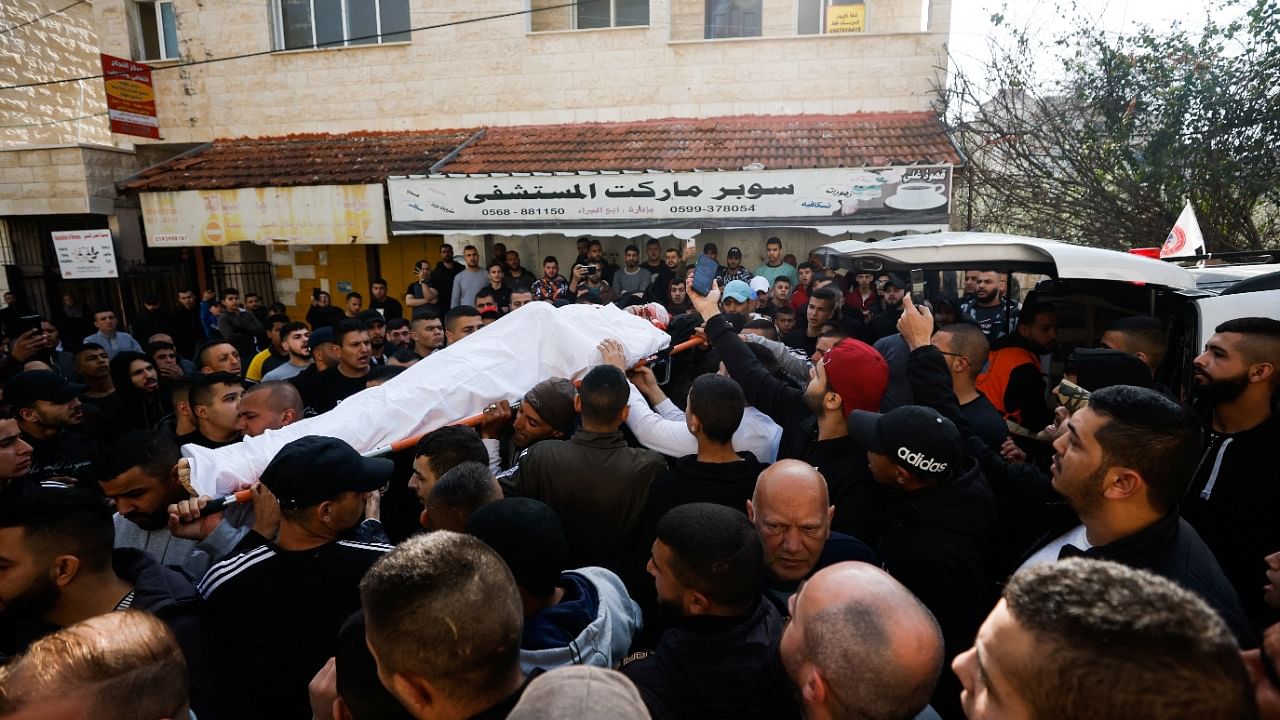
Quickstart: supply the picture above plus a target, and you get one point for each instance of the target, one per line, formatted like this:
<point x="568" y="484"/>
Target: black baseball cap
<point x="734" y="252"/>
<point x="897" y="281"/>
<point x="320" y="336"/>
<point x="314" y="468"/>
<point x="371" y="317"/>
<point x="913" y="436"/>
<point x="25" y="389"/>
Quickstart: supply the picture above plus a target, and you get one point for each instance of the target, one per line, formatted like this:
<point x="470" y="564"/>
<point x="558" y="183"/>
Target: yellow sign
<point x="846" y="18"/>
<point x="316" y="215"/>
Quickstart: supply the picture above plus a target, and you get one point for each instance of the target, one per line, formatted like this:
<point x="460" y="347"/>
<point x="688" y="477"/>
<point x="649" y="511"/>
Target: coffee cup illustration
<point x="918" y="196"/>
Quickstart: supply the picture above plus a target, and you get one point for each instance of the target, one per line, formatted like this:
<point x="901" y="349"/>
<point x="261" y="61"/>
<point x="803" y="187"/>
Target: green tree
<point x="1107" y="150"/>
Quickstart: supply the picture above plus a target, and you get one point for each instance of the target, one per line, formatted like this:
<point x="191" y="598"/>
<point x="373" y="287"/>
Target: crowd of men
<point x="841" y="504"/>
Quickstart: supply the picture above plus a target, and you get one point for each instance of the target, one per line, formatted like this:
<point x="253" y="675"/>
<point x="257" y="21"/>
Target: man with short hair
<point x="965" y="348"/>
<point x="326" y="389"/>
<point x="774" y="267"/>
<point x="733" y="269"/>
<point x="860" y="645"/>
<point x="218" y="356"/>
<point x="497" y="285"/>
<point x="551" y="286"/>
<point x="100" y="399"/>
<point x="1234" y="496"/>
<point x="594" y="481"/>
<point x="427" y="333"/>
<point x="996" y="314"/>
<point x="784" y="318"/>
<point x="779" y="297"/>
<point x="460" y="322"/>
<point x="215" y="402"/>
<point x="1013" y="380"/>
<point x="440" y="451"/>
<point x="388" y="307"/>
<point x="237" y="325"/>
<point x="631" y="279"/>
<point x="1140" y="336"/>
<point x="821" y="309"/>
<point x="15" y="455"/>
<point x="50" y="416"/>
<point x="188" y="331"/>
<point x="520" y="298"/>
<point x="355" y="301"/>
<point x="108" y="337"/>
<point x="268" y="406"/>
<point x="278" y="607"/>
<point x="84" y="670"/>
<point x="885" y="323"/>
<point x="519" y="278"/>
<point x="1090" y="639"/>
<point x="399" y="336"/>
<point x="721" y="658"/>
<point x="572" y="617"/>
<point x="377" y="327"/>
<point x="422" y="292"/>
<point x="595" y="256"/>
<point x="272" y="356"/>
<point x="295" y="339"/>
<point x="437" y="663"/>
<point x="457" y="494"/>
<point x="442" y="276"/>
<point x="165" y="356"/>
<point x="470" y="280"/>
<point x="800" y="290"/>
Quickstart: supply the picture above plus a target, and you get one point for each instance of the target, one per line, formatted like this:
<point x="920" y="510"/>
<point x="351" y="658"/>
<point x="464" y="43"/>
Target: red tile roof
<point x="291" y="160"/>
<point x="719" y="143"/>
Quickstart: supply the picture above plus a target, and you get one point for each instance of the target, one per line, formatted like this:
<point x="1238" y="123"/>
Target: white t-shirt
<point x="1049" y="553"/>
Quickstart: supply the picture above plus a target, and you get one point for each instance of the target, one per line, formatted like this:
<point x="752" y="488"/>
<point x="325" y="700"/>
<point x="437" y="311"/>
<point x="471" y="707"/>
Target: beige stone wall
<point x="66" y="179"/>
<point x="60" y="46"/>
<point x="499" y="73"/>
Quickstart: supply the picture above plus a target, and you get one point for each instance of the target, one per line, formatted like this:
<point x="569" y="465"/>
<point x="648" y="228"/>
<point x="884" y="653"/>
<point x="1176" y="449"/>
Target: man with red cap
<point x="848" y="376"/>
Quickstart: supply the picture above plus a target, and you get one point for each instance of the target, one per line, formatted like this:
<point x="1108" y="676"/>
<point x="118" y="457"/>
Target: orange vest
<point x="995" y="379"/>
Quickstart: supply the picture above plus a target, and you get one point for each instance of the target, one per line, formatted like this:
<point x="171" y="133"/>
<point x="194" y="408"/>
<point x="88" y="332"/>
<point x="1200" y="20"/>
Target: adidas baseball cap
<point x="915" y="437"/>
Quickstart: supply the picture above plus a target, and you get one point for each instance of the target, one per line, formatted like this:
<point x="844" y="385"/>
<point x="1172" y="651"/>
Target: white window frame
<point x="613" y="17"/>
<point x="277" y="27"/>
<point x="158" y="18"/>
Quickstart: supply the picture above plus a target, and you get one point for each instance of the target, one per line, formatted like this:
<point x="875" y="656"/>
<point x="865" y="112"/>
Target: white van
<point x="1091" y="287"/>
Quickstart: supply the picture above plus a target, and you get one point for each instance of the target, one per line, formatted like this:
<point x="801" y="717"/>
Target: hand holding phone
<point x="704" y="274"/>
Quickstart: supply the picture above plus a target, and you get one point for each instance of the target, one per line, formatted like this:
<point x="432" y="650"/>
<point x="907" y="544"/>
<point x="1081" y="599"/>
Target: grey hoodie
<point x="606" y="640"/>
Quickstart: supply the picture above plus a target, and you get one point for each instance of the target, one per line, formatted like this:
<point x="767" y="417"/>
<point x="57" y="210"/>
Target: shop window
<point x="733" y="18"/>
<point x="823" y="17"/>
<point x="611" y="13"/>
<point x="339" y="23"/>
<point x="153" y="32"/>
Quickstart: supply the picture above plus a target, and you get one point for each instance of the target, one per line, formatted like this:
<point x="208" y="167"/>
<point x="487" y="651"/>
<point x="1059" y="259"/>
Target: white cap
<point x="760" y="284"/>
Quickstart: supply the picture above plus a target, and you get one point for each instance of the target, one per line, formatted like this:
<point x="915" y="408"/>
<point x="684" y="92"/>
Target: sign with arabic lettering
<point x="307" y="215"/>
<point x="85" y="254"/>
<point x="906" y="195"/>
<point x="131" y="100"/>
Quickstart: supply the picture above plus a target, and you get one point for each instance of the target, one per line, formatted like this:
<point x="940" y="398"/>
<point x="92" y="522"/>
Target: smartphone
<point x="917" y="287"/>
<point x="23" y="325"/>
<point x="704" y="274"/>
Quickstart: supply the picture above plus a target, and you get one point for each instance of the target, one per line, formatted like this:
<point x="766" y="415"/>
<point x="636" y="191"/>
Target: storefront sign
<point x="909" y="195"/>
<point x="131" y="100"/>
<point x="316" y="215"/>
<point x="846" y="18"/>
<point x="84" y="254"/>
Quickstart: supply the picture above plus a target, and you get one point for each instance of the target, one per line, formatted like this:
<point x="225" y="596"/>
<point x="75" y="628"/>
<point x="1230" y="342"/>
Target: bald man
<point x="268" y="406"/>
<point x="859" y="644"/>
<point x="792" y="513"/>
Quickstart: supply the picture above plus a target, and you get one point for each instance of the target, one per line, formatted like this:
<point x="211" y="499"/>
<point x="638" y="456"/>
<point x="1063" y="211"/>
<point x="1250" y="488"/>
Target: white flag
<point x="1184" y="239"/>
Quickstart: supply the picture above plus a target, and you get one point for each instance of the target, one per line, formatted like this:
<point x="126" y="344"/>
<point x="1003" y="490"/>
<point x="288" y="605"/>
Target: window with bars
<point x="153" y="31"/>
<point x="734" y="18"/>
<point x="339" y="23"/>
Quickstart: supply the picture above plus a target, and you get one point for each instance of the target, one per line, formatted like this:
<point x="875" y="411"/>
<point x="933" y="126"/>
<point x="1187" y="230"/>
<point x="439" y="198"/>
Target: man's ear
<point x="1123" y="483"/>
<point x="196" y="409"/>
<point x="751" y="511"/>
<point x="813" y="689"/>
<point x="696" y="603"/>
<point x="288" y="416"/>
<point x="64" y="569"/>
<point x="626" y="412"/>
<point x="577" y="404"/>
<point x="1261" y="372"/>
<point x="831" y="401"/>
<point x="28" y="414"/>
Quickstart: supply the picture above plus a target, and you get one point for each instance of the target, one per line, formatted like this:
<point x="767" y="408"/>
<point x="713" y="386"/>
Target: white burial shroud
<point x="502" y="361"/>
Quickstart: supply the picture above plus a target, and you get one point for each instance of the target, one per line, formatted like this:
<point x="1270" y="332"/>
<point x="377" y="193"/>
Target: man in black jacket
<point x="1234" y="498"/>
<point x="1120" y="466"/>
<point x="721" y="659"/>
<point x="65" y="536"/>
<point x="937" y="524"/>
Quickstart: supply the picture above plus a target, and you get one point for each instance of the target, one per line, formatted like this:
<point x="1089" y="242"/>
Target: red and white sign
<point x="131" y="100"/>
<point x="1184" y="239"/>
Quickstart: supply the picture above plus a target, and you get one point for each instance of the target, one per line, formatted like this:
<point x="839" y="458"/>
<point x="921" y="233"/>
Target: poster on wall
<point x="895" y="195"/>
<point x="846" y="18"/>
<point x="131" y="99"/>
<point x="84" y="254"/>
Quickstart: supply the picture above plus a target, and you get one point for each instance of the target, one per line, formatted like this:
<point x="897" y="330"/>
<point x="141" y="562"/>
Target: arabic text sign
<point x="821" y="196"/>
<point x="315" y="215"/>
<point x="131" y="100"/>
<point x="85" y="254"/>
<point x="846" y="18"/>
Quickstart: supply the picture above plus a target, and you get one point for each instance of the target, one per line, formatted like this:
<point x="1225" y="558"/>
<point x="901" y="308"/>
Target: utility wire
<point x="33" y="21"/>
<point x="52" y="122"/>
<point x="336" y="43"/>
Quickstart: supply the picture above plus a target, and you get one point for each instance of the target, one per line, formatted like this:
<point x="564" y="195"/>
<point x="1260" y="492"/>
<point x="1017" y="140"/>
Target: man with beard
<point x="631" y="279"/>
<point x="398" y="335"/>
<point x="295" y="338"/>
<point x="388" y="307"/>
<point x="720" y="659"/>
<point x="1234" y="497"/>
<point x="50" y="415"/>
<point x="1013" y="381"/>
<point x="442" y="276"/>
<point x="519" y="278"/>
<point x="377" y="327"/>
<point x="995" y="314"/>
<point x="546" y="412"/>
<point x="273" y="355"/>
<point x="60" y="569"/>
<point x="470" y="280"/>
<point x="1122" y="466"/>
<point x="885" y="323"/>
<point x="136" y="472"/>
<point x="218" y="356"/>
<point x="188" y="331"/>
<point x="330" y="387"/>
<point x="138" y="382"/>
